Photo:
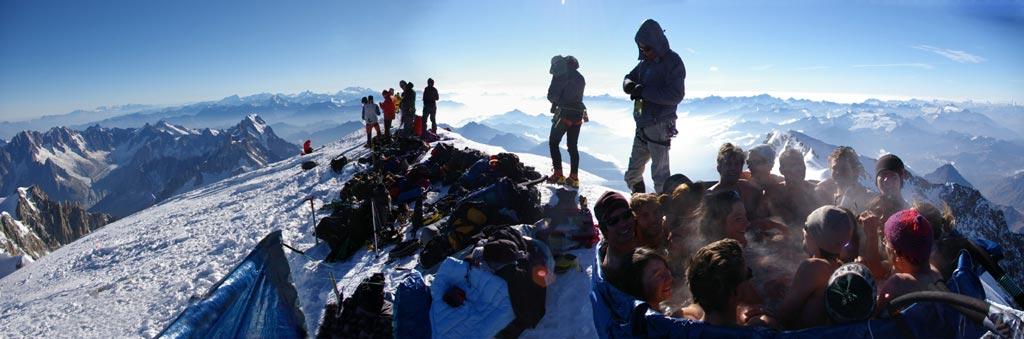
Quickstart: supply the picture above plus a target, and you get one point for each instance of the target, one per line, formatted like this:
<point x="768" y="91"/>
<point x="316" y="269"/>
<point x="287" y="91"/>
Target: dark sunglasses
<point x="612" y="220"/>
<point x="645" y="49"/>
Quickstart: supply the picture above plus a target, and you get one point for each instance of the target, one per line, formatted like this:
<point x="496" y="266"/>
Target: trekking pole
<point x="373" y="212"/>
<point x="312" y="219"/>
<point x="334" y="285"/>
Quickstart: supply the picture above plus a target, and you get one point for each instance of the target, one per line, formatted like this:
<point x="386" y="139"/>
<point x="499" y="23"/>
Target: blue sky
<point x="59" y="56"/>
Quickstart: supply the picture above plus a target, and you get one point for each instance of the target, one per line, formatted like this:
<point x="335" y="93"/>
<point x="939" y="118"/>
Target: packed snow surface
<point x="133" y="277"/>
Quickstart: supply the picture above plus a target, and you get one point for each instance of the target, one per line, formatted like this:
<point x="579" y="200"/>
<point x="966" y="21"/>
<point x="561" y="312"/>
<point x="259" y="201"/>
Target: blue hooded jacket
<point x="662" y="78"/>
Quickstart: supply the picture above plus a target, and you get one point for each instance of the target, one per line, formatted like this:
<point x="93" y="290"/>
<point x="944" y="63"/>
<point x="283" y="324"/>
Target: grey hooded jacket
<point x="662" y="78"/>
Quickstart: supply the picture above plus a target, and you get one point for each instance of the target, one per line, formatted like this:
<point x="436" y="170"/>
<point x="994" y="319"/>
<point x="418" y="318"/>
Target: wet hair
<point x="942" y="221"/>
<point x="684" y="202"/>
<point x="885" y="206"/>
<point x="791" y="155"/>
<point x="714" y="273"/>
<point x="713" y="212"/>
<point x="641" y="200"/>
<point x="634" y="273"/>
<point x="729" y="150"/>
<point x="848" y="154"/>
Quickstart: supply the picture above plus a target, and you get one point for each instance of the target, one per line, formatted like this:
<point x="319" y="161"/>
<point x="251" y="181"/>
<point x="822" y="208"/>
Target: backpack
<point x="338" y="163"/>
<point x="363" y="315"/>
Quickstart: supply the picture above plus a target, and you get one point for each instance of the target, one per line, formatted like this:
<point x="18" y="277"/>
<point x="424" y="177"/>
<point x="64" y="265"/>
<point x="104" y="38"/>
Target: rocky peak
<point x="40" y="225"/>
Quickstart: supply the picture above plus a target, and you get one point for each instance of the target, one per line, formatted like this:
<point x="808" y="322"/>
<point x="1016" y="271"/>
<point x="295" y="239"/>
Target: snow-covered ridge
<point x="134" y="276"/>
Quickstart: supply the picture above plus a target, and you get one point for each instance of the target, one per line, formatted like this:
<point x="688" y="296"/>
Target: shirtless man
<point x="730" y="168"/>
<point x="908" y="241"/>
<point x="843" y="189"/>
<point x="827" y="230"/>
<point x="760" y="160"/>
<point x="650" y="220"/>
<point x="795" y="198"/>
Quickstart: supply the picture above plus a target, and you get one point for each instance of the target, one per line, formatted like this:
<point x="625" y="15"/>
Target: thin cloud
<point x="692" y="51"/>
<point x="811" y="68"/>
<point x="713" y="68"/>
<point x="955" y="55"/>
<point x="913" y="64"/>
<point x="762" y="67"/>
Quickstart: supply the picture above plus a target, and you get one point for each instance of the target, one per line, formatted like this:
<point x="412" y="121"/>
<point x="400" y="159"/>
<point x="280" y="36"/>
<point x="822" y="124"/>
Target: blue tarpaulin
<point x="255" y="300"/>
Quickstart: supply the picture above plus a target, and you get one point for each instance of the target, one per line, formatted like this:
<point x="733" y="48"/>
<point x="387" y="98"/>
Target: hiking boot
<point x="556" y="177"/>
<point x="572" y="181"/>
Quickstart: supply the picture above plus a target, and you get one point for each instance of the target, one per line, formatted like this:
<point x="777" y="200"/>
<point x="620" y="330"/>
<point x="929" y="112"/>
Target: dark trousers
<point x="559" y="129"/>
<point x="387" y="127"/>
<point x="431" y="112"/>
<point x="408" y="118"/>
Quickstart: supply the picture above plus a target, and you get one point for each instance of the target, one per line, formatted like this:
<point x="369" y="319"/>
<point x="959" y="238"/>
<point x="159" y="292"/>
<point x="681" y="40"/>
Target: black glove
<point x="553" y="107"/>
<point x="628" y="86"/>
<point x="636" y="92"/>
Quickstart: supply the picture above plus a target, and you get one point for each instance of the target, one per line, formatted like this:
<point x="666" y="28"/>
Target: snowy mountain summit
<point x="134" y="276"/>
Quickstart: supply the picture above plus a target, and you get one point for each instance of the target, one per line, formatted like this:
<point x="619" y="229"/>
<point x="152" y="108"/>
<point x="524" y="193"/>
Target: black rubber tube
<point x="974" y="309"/>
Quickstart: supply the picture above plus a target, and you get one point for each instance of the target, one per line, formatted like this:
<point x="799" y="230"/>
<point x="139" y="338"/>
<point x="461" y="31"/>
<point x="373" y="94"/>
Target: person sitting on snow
<point x="827" y="230"/>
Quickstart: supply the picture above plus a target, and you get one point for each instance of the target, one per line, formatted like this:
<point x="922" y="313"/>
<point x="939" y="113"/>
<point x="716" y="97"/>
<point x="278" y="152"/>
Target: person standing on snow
<point x="656" y="86"/>
<point x="430" y="98"/>
<point x="370" y="113"/>
<point x="388" y="105"/>
<point x="566" y="96"/>
<point x="408" y="107"/>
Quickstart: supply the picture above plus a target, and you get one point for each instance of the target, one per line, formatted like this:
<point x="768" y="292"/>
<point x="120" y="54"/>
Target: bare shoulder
<point x="814" y="268"/>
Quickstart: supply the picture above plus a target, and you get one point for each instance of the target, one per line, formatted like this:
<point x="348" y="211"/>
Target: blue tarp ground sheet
<point x="255" y="300"/>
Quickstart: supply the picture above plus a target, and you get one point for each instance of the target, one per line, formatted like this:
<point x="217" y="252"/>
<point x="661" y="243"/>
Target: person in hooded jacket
<point x="566" y="96"/>
<point x="408" y="106"/>
<point x="430" y="98"/>
<point x="656" y="85"/>
<point x="388" y="106"/>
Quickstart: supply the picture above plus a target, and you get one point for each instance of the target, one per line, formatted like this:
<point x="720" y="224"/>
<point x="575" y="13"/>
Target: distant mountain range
<point x="120" y="171"/>
<point x="517" y="131"/>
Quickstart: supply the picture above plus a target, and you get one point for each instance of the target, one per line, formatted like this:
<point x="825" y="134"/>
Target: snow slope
<point x="133" y="277"/>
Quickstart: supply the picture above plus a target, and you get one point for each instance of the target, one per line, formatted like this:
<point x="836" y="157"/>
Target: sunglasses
<point x="612" y="220"/>
<point x="644" y="49"/>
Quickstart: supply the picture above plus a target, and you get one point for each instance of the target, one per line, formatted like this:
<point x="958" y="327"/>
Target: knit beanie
<point x="831" y="228"/>
<point x="609" y="202"/>
<point x="892" y="163"/>
<point x="910" y="235"/>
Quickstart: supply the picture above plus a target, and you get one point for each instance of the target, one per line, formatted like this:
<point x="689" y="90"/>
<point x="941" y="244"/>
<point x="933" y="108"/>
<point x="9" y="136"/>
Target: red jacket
<point x="388" y="106"/>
